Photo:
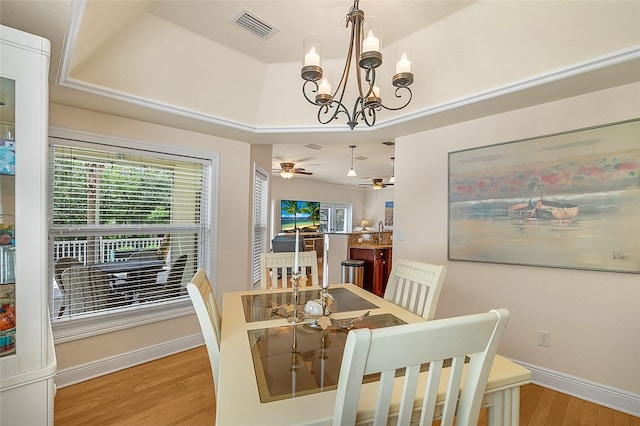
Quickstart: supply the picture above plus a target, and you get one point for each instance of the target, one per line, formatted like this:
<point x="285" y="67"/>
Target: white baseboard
<point x="80" y="373"/>
<point x="608" y="396"/>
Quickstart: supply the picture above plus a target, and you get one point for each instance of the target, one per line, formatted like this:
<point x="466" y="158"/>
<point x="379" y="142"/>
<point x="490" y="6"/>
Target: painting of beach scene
<point x="567" y="200"/>
<point x="302" y="215"/>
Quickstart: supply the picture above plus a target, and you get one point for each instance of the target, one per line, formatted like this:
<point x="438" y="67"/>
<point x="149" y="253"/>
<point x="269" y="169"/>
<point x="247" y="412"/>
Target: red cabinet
<point x="377" y="267"/>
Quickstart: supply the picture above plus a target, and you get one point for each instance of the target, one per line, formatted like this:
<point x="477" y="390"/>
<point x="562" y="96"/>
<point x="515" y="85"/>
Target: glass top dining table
<point x="273" y="372"/>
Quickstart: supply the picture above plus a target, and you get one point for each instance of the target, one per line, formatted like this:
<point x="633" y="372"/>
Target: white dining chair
<point x="415" y="286"/>
<point x="275" y="269"/>
<point x="204" y="302"/>
<point x="409" y="346"/>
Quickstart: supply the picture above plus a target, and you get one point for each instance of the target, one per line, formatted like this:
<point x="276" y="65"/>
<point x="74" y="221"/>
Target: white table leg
<point x="495" y="412"/>
<point x="505" y="410"/>
<point x="515" y="406"/>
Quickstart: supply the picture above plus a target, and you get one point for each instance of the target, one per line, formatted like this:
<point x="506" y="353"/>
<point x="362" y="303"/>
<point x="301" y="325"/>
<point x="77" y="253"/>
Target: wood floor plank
<point x="572" y="414"/>
<point x="621" y="419"/>
<point x="543" y="408"/>
<point x="588" y="414"/>
<point x="529" y="398"/>
<point x="604" y="416"/>
<point x="558" y="409"/>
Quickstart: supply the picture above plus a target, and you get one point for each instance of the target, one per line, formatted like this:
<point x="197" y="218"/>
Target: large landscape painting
<point x="569" y="200"/>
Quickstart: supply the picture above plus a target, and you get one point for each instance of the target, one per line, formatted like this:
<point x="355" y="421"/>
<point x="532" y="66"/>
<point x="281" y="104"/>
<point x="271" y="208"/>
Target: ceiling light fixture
<point x="287" y="174"/>
<point x="351" y="171"/>
<point x="393" y="170"/>
<point x="367" y="53"/>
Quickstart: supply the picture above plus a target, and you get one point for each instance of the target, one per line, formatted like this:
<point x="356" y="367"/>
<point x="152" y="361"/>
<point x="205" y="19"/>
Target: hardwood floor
<point x="175" y="390"/>
<point x="178" y="390"/>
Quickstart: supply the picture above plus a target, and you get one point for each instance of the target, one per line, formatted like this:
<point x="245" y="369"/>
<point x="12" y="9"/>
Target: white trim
<point x="91" y="370"/>
<point x="608" y="396"/>
<point x="610" y="59"/>
<point x="82" y="328"/>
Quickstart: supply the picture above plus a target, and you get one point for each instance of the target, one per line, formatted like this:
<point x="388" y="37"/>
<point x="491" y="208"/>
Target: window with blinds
<point x="260" y="218"/>
<point x="128" y="227"/>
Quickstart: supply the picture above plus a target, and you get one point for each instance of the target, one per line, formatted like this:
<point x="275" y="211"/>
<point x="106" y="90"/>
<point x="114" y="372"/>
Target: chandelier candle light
<point x="367" y="53"/>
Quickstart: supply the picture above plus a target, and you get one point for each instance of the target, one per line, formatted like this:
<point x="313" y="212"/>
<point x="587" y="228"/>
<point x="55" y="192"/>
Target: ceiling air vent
<point x="314" y="147"/>
<point x="255" y="25"/>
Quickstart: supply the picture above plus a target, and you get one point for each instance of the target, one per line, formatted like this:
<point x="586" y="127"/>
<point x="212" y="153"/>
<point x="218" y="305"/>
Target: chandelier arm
<point x="371" y="113"/>
<point x="344" y="79"/>
<point x="399" y="96"/>
<point x="357" y="28"/>
<point x="370" y="76"/>
<point x="314" y="90"/>
<point x="337" y="108"/>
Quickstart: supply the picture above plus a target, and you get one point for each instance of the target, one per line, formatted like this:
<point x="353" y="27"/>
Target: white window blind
<point x="260" y="217"/>
<point x="128" y="227"/>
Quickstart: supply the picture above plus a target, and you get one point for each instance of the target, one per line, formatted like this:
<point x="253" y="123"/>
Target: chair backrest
<point x="174" y="279"/>
<point x="286" y="243"/>
<point x="165" y="244"/>
<point x="275" y="269"/>
<point x="385" y="350"/>
<point x="204" y="302"/>
<point x="415" y="286"/>
<point x="144" y="254"/>
<point x="60" y="265"/>
<point x="87" y="289"/>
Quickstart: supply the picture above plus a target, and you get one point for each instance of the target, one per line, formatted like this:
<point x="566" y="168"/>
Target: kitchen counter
<point x="370" y="245"/>
<point x="371" y="239"/>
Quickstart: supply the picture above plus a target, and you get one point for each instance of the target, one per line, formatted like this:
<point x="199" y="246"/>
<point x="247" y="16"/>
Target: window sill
<point x="82" y="328"/>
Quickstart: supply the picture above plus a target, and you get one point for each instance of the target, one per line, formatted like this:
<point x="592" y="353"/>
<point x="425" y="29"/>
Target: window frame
<point x="259" y="172"/>
<point x="88" y="326"/>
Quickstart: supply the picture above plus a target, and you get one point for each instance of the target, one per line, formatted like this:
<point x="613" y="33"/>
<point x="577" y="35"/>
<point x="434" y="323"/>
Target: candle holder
<point x="295" y="318"/>
<point x="324" y="296"/>
<point x="295" y="362"/>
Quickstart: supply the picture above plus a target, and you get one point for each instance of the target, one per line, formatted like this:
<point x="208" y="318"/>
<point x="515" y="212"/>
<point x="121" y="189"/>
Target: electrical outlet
<point x="544" y="338"/>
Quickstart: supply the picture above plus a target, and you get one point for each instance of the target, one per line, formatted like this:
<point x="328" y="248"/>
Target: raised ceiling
<point x="186" y="64"/>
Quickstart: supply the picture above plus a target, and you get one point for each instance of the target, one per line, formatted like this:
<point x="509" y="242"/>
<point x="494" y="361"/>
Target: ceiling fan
<point x="377" y="184"/>
<point x="287" y="170"/>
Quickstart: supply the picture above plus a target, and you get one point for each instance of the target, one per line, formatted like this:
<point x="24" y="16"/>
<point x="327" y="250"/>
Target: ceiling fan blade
<point x="301" y="172"/>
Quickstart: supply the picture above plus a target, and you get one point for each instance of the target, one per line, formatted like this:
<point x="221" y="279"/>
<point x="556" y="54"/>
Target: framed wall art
<point x="388" y="214"/>
<point x="566" y="200"/>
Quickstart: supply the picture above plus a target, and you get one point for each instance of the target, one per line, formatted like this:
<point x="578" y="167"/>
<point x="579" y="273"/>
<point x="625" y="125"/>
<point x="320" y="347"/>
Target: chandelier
<point x="367" y="51"/>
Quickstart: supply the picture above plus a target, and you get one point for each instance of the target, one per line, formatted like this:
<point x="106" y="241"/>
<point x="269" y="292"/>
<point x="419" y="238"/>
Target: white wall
<point x="375" y="205"/>
<point x="593" y="317"/>
<point x="232" y="234"/>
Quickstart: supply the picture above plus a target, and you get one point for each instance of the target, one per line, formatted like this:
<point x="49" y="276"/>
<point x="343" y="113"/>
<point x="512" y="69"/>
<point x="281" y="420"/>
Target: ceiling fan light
<point x="377" y="187"/>
<point x="286" y="174"/>
<point x="351" y="171"/>
<point x="393" y="170"/>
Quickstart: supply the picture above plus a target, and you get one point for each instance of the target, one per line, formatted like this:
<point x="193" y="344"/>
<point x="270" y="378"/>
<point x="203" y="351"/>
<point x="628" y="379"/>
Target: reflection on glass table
<point x="260" y="307"/>
<point x="297" y="360"/>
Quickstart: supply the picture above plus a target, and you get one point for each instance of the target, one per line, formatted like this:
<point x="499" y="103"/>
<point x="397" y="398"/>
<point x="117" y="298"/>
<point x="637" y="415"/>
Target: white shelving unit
<point x="28" y="368"/>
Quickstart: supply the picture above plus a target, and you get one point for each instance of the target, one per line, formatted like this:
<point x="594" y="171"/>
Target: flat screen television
<point x="303" y="215"/>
